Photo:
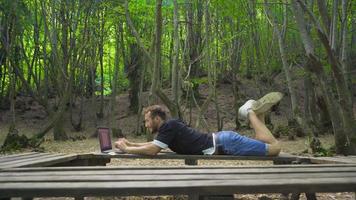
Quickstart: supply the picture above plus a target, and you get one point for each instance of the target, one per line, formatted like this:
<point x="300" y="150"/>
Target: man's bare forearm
<point x="137" y="144"/>
<point x="143" y="150"/>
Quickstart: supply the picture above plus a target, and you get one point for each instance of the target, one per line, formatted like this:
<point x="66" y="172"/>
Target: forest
<point x="68" y="57"/>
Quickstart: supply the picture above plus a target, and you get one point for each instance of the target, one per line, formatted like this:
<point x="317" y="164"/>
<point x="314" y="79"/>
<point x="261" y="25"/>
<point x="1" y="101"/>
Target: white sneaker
<point x="265" y="103"/>
<point x="244" y="109"/>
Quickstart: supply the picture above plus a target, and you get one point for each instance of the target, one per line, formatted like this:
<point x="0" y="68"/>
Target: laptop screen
<point x="104" y="138"/>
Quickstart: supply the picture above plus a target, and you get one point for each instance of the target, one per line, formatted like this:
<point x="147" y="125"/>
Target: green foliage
<point x="281" y="130"/>
<point x="291" y="131"/>
<point x="198" y="81"/>
<point x="15" y="142"/>
<point x="317" y="148"/>
<point x="194" y="83"/>
<point x="300" y="72"/>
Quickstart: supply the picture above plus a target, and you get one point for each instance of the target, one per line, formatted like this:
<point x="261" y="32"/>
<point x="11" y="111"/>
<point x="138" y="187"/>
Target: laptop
<point x="105" y="141"/>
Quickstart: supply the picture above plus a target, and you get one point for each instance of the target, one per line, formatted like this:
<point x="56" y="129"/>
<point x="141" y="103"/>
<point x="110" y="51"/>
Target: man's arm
<point x="133" y="144"/>
<point x="146" y="149"/>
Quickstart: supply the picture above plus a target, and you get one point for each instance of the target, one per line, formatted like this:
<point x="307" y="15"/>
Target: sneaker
<point x="244" y="109"/>
<point x="266" y="102"/>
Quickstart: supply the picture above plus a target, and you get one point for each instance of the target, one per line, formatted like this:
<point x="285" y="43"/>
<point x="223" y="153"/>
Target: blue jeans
<point x="233" y="143"/>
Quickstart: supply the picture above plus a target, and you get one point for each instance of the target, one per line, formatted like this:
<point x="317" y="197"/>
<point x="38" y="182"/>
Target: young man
<point x="176" y="135"/>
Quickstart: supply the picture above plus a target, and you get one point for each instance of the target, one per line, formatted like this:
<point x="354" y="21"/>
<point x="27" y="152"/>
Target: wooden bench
<point x="193" y="181"/>
<point x="35" y="159"/>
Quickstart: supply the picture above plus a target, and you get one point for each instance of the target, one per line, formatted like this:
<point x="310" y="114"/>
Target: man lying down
<point x="176" y="135"/>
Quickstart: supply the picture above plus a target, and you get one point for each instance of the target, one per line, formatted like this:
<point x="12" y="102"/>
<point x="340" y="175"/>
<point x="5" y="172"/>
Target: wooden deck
<point x="188" y="180"/>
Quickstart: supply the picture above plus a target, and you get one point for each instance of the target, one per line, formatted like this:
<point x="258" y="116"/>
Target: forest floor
<point x="30" y="118"/>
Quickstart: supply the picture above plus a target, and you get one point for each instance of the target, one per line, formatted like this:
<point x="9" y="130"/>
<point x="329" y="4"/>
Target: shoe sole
<point x="266" y="102"/>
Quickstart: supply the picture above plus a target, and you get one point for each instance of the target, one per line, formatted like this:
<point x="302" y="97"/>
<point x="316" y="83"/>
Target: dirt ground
<point x="30" y="118"/>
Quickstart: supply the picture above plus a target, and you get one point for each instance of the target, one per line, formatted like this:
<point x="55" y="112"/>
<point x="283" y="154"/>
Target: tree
<point x="340" y="114"/>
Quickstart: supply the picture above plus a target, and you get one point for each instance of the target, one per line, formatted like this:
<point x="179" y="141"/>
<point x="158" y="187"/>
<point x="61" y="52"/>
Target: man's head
<point x="155" y="115"/>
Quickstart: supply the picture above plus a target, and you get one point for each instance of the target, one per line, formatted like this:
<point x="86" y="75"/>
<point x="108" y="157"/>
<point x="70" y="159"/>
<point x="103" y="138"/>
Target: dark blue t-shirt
<point x="182" y="139"/>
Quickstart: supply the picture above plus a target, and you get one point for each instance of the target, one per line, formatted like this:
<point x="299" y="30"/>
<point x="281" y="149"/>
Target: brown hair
<point x="156" y="110"/>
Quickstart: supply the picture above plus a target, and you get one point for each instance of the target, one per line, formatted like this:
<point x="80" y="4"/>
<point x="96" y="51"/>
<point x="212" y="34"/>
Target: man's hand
<point x="121" y="144"/>
<point x="147" y="148"/>
<point x="124" y="140"/>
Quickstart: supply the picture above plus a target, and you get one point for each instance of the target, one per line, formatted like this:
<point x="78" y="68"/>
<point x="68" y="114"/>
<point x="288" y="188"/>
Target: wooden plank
<point x="36" y="157"/>
<point x="42" y="162"/>
<point x="28" y="158"/>
<point x="194" y="157"/>
<point x="336" y="160"/>
<point x="16" y="156"/>
<point x="147" y="177"/>
<point x="203" y="187"/>
<point x="114" y="169"/>
<point x="183" y="171"/>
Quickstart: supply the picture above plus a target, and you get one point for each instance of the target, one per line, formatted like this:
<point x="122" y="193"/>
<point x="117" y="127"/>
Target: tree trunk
<point x="157" y="59"/>
<point x="133" y="74"/>
<point x="58" y="130"/>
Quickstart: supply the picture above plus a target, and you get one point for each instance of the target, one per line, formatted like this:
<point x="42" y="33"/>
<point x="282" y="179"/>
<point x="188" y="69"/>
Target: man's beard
<point x="154" y="128"/>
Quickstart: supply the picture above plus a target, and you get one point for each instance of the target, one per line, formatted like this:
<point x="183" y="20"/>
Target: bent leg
<point x="264" y="134"/>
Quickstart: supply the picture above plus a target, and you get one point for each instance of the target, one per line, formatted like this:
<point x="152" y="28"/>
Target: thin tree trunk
<point x="158" y="37"/>
<point x="45" y="59"/>
<point x="64" y="91"/>
<point x="333" y="27"/>
<point x="140" y="99"/>
<point x="235" y="61"/>
<point x="100" y="115"/>
<point x="12" y="89"/>
<point x="175" y="66"/>
<point x="296" y="113"/>
<point x="324" y="15"/>
<point x="113" y="105"/>
<point x="255" y="34"/>
<point x="344" y="43"/>
<point x="3" y="73"/>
